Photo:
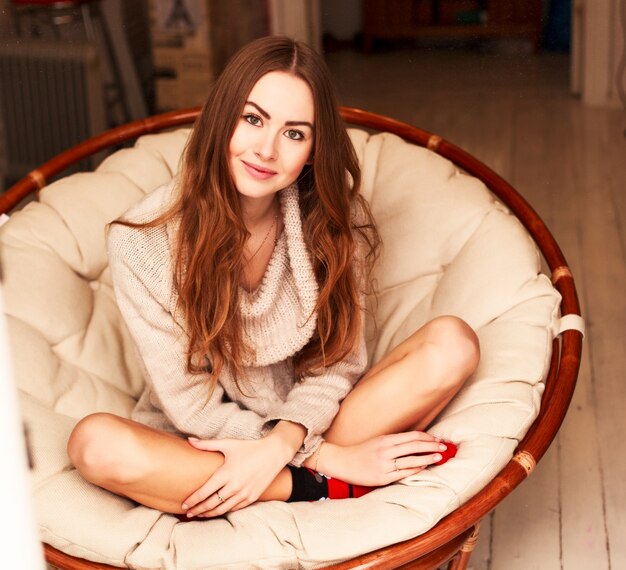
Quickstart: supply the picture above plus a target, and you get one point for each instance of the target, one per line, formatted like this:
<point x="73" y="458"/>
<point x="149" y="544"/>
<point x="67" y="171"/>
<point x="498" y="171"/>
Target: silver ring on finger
<point x="395" y="464"/>
<point x="219" y="496"/>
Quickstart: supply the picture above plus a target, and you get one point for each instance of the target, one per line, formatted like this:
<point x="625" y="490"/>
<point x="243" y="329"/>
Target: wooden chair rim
<point x="566" y="355"/>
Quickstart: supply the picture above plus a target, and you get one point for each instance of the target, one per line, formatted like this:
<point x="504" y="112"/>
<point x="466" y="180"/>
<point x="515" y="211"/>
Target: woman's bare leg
<point x="154" y="468"/>
<point x="410" y="385"/>
<point x="404" y="390"/>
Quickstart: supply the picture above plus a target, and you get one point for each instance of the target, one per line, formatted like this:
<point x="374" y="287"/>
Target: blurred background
<point x="533" y="88"/>
<point x="72" y="68"/>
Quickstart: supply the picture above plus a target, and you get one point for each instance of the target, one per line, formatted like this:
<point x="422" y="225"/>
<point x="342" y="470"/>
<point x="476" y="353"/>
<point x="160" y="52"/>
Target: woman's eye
<point x="254" y="120"/>
<point x="295" y="135"/>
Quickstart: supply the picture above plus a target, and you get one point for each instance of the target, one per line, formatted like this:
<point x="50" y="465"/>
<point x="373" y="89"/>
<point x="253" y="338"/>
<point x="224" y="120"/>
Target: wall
<point x="298" y="19"/>
<point x="341" y="19"/>
<point x="597" y="52"/>
<point x="5" y="23"/>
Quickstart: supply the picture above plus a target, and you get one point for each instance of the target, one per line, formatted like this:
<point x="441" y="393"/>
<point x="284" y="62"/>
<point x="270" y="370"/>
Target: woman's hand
<point x="249" y="468"/>
<point x="381" y="460"/>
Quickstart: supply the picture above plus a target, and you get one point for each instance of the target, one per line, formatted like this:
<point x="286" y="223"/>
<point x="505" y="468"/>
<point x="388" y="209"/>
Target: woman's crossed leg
<point x="404" y="391"/>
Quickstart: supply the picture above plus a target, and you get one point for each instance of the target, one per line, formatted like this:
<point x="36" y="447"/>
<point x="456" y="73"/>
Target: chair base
<point x="457" y="552"/>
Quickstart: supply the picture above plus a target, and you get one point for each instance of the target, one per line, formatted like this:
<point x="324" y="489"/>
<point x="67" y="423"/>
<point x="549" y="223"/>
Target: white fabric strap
<point x="571" y="323"/>
<point x="3" y="219"/>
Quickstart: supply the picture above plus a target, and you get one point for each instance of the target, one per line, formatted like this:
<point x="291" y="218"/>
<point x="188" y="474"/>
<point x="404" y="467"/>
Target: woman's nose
<point x="266" y="147"/>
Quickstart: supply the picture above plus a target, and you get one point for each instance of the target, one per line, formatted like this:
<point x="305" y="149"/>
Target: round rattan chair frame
<point x="454" y="537"/>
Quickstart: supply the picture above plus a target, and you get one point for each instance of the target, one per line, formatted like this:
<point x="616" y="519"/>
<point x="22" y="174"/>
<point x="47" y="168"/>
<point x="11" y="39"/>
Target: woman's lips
<point x="258" y="172"/>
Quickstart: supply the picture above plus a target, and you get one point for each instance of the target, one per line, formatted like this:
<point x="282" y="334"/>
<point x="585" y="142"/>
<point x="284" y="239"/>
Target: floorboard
<point x="604" y="277"/>
<point x="526" y="529"/>
<point x="514" y="113"/>
<point x="584" y="538"/>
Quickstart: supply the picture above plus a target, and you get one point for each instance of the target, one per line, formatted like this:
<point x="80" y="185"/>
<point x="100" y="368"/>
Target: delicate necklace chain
<point x="264" y="240"/>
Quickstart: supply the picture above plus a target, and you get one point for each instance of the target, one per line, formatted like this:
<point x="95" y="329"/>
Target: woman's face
<point x="273" y="139"/>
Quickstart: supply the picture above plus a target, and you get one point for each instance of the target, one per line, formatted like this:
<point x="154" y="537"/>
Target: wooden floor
<point x="514" y="112"/>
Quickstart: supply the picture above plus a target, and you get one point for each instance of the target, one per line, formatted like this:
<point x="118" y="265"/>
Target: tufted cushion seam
<point x="82" y="551"/>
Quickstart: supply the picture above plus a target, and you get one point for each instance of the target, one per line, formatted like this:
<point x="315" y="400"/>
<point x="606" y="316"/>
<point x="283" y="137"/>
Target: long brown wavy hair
<point x="211" y="236"/>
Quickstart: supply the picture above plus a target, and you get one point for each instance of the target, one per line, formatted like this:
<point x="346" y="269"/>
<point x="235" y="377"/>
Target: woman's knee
<point x="100" y="447"/>
<point x="447" y="350"/>
<point x="456" y="343"/>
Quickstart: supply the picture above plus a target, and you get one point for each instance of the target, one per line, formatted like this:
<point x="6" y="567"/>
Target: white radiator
<point x="51" y="98"/>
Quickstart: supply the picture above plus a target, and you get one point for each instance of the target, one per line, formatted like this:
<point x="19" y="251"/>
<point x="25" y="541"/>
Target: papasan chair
<point x="457" y="240"/>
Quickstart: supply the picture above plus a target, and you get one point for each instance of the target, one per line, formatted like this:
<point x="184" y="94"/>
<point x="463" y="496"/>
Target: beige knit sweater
<point x="276" y="325"/>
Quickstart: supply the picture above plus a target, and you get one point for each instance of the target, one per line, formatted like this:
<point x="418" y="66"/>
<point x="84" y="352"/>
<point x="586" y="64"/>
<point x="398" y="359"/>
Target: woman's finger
<point x="416" y="448"/>
<point x="402" y="473"/>
<point x="214" y="483"/>
<point x="225" y="495"/>
<point x="424" y="436"/>
<point x="210" y="503"/>
<point x="234" y="502"/>
<point x="407" y="437"/>
<point x="415" y="461"/>
<point x="225" y="507"/>
<point x="208" y="444"/>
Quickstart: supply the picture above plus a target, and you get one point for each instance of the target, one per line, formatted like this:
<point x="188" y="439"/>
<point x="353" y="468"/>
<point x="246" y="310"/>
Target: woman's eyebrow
<point x="298" y="124"/>
<point x="267" y="116"/>
<point x="263" y="112"/>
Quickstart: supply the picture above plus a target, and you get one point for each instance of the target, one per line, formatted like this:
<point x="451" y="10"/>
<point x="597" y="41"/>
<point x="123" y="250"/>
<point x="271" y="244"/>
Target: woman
<point x="241" y="283"/>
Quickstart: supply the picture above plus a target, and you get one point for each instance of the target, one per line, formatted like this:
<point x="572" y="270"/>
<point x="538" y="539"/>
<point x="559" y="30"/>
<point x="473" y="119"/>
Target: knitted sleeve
<point x="141" y="269"/>
<point x="314" y="402"/>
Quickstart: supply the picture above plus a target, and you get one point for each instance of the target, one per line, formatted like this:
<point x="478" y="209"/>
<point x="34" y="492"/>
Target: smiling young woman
<point x="273" y="139"/>
<point x="272" y="142"/>
<point x="242" y="283"/>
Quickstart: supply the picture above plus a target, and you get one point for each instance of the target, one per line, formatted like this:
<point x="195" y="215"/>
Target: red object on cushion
<point x="360" y="490"/>
<point x="338" y="489"/>
<point x="448" y="453"/>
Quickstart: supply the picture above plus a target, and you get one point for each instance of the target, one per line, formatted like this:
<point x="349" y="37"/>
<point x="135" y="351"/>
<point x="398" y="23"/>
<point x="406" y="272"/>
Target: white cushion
<point x="449" y="248"/>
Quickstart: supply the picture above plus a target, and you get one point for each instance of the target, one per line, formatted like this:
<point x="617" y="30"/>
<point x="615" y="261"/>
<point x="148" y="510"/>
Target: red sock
<point x="338" y="489"/>
<point x="308" y="485"/>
